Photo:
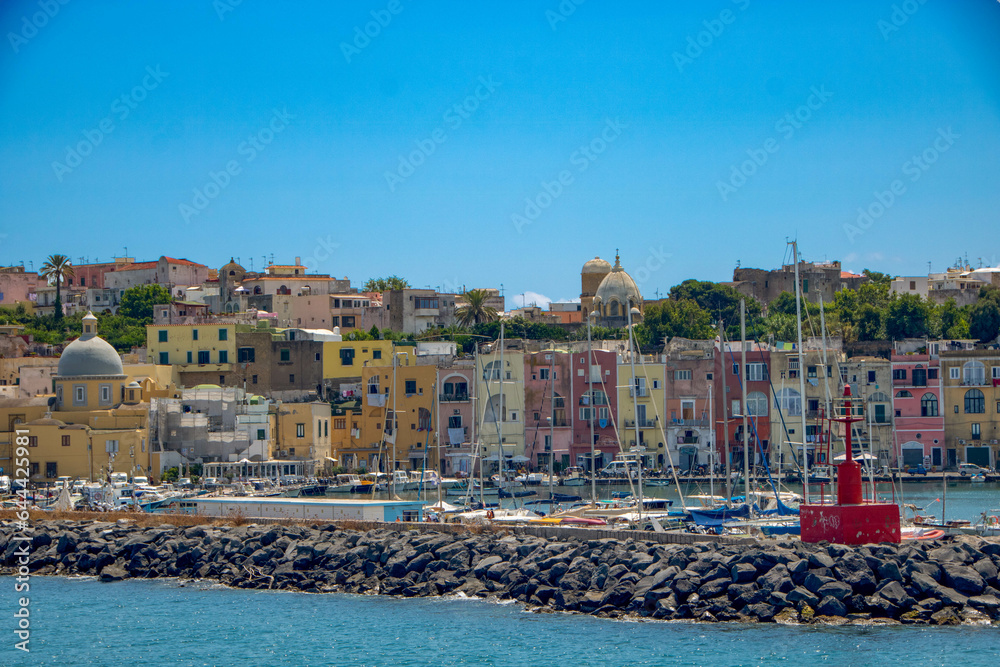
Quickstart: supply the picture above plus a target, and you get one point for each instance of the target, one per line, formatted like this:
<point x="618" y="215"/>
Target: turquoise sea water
<point x="79" y="621"/>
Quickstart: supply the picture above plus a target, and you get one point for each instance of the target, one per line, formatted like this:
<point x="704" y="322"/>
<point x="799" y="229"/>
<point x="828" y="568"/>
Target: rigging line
<point x="614" y="422"/>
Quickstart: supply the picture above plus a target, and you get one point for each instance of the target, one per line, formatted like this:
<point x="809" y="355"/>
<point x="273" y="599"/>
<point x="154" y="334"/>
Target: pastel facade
<point x="549" y="401"/>
<point x="641" y="404"/>
<point x="596" y="399"/>
<point x="689" y="380"/>
<point x="208" y="347"/>
<point x="456" y="417"/>
<point x="918" y="412"/>
<point x="500" y="401"/>
<point x="971" y="387"/>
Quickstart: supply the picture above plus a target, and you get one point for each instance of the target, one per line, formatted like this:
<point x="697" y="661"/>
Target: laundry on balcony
<point x="377" y="400"/>
<point x="456" y="436"/>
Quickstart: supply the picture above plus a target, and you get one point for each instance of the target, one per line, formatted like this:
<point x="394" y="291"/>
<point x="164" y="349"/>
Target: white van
<point x="5" y="484"/>
<point x="619" y="468"/>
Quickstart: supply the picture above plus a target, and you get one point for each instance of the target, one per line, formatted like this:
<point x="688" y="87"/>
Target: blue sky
<point x="485" y="143"/>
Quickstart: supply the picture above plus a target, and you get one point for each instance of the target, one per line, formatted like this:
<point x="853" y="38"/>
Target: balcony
<point x="687" y="440"/>
<point x="643" y="423"/>
<point x="699" y="423"/>
<point x="584" y="401"/>
<point x="453" y="398"/>
<point x="900" y="382"/>
<point x="642" y="393"/>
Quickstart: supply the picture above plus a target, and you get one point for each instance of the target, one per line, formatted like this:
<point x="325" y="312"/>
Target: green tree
<point x="475" y="309"/>
<point x="869" y="323"/>
<point x="984" y="320"/>
<point x="56" y="269"/>
<point x="137" y="302"/>
<point x="878" y="277"/>
<point x="951" y="321"/>
<point x="720" y="301"/>
<point x="385" y="284"/>
<point x="684" y="318"/>
<point x="907" y="316"/>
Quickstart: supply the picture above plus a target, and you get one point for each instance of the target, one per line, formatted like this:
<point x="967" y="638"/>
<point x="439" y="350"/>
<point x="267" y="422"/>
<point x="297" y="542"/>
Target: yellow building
<point x="971" y="405"/>
<point x="345" y="359"/>
<point x="500" y="401"/>
<point x="641" y="405"/>
<point x="412" y="432"/>
<point x="303" y="433"/>
<point x="192" y="347"/>
<point x="97" y="422"/>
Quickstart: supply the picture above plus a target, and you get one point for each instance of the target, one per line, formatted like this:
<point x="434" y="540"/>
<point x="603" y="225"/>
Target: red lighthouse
<point x="851" y="520"/>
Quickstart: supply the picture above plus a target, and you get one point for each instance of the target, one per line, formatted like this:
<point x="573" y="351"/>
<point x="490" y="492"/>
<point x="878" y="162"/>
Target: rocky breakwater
<point x="944" y="582"/>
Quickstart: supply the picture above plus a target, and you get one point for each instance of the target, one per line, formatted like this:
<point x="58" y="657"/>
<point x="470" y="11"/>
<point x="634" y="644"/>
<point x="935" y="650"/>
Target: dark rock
<point x="987" y="603"/>
<point x="820" y="559"/>
<point x="946" y="616"/>
<point x="485" y="564"/>
<point x="800" y="594"/>
<point x="837" y="589"/>
<point x="743" y="572"/>
<point x="113" y="573"/>
<point x="965" y="580"/>
<point x="814" y="582"/>
<point x="889" y="570"/>
<point x="894" y="592"/>
<point x="831" y="606"/>
<point x="713" y="588"/>
<point x="420" y="562"/>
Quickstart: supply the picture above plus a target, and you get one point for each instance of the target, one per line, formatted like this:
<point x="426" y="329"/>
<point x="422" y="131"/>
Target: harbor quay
<point x="948" y="581"/>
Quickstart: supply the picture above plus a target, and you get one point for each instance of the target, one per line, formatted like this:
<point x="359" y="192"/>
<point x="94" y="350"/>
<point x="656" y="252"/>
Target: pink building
<point x="546" y="372"/>
<point x="16" y="284"/>
<point x="917" y="402"/>
<point x="597" y="397"/>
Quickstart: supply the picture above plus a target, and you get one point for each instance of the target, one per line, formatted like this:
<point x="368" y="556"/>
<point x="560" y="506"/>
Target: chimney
<point x="298" y="261"/>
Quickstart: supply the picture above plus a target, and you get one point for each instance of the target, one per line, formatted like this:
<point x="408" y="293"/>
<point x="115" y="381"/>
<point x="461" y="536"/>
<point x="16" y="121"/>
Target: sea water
<point x="80" y="621"/>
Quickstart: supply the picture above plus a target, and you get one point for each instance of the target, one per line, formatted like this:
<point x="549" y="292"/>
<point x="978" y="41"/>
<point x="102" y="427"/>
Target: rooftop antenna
<point x="126" y="251"/>
<point x="501" y="290"/>
<point x="251" y="263"/>
<point x="928" y="268"/>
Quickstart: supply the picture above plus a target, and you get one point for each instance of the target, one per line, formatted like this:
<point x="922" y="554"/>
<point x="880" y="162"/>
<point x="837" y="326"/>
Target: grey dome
<point x="90" y="354"/>
<point x="619" y="286"/>
<point x="597" y="265"/>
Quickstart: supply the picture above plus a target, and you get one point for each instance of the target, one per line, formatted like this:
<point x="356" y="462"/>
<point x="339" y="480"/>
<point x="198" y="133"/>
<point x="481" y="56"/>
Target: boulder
<point x="965" y="580"/>
<point x="113" y="573"/>
<point x="831" y="606"/>
<point x="837" y="589"/>
<point x="800" y="594"/>
<point x="742" y="573"/>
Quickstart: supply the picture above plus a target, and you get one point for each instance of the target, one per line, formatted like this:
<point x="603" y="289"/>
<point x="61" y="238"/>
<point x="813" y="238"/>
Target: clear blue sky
<point x="667" y="120"/>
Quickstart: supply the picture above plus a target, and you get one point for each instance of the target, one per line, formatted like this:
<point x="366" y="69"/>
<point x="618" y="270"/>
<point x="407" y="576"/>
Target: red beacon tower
<point x="851" y="520"/>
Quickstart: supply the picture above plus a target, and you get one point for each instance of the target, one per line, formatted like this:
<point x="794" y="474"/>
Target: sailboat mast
<point x="802" y="377"/>
<point x="635" y="404"/>
<point x="552" y="416"/>
<point x="590" y="385"/>
<point x="743" y="383"/>
<point x="725" y="416"/>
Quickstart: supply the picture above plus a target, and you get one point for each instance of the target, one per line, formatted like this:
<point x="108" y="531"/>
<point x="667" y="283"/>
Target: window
<point x="871" y="377"/>
<point x="34" y="469"/>
<point x="919" y="376"/>
<point x="254" y="380"/>
<point x="932" y="374"/>
<point x="340" y="424"/>
<point x="284" y="354"/>
<point x="899" y="374"/>
<point x="758" y="373"/>
<point x="189" y="357"/>
<point x="300" y="430"/>
<point x="491" y="371"/>
<point x="975" y="402"/>
<point x="953" y="373"/>
<point x="223" y="334"/>
<point x="756" y="404"/>
<point x="335" y="321"/>
<point x="810" y="371"/>
<point x="51" y="470"/>
<point x="903" y="394"/>
<point x="163" y="335"/>
<point x="928" y="405"/>
<point x="105" y="396"/>
<point x="411" y="387"/>
<point x="425" y="302"/>
<point x="291" y="378"/>
<point x="262" y="434"/>
<point x="203" y="356"/>
<point x="246" y="355"/>
<point x="347" y="321"/>
<point x="79" y="395"/>
<point x="376" y="354"/>
<point x="976" y="433"/>
<point x="789" y="401"/>
<point x="164" y="358"/>
<point x="317" y="356"/>
<point x="543" y="373"/>
<point x="996" y="372"/>
<point x="682" y="375"/>
<point x="347" y="356"/>
<point x="194" y="334"/>
<point x="974" y="373"/>
<point x="65" y="441"/>
<point x="223" y="356"/>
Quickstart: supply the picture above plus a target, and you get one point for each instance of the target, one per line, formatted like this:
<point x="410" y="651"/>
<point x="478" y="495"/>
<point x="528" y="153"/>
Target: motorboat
<point x="344" y="484"/>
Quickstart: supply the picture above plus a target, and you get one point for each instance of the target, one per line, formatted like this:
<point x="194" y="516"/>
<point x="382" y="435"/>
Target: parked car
<point x="971" y="469"/>
<point x="917" y="470"/>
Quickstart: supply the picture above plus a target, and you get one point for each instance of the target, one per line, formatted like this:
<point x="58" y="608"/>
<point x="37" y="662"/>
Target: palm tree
<point x="475" y="310"/>
<point x="55" y="269"/>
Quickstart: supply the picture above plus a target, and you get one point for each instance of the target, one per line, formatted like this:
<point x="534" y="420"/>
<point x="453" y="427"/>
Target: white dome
<point x="89" y="354"/>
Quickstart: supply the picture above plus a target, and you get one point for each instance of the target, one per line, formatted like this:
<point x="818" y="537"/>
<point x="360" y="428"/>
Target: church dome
<point x="619" y="286"/>
<point x="232" y="270"/>
<point x="596" y="265"/>
<point x="89" y="354"/>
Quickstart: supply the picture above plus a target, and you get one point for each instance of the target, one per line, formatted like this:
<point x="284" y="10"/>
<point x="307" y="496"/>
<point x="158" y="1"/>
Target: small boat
<point x="344" y="484"/>
<point x="658" y="481"/>
<point x="978" y="478"/>
<point x="565" y="498"/>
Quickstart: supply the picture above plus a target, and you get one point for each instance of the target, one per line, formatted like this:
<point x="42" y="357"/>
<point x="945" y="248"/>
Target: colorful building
<point x="971" y="387"/>
<point x="918" y="411"/>
<point x="689" y="373"/>
<point x="641" y="405"/>
<point x="548" y="401"/>
<point x="597" y="398"/>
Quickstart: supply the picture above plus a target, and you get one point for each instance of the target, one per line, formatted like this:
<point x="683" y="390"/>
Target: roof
<point x="848" y="274"/>
<point x="185" y="262"/>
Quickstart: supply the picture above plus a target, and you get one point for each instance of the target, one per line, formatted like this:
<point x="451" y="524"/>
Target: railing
<point x="453" y="398"/>
<point x="598" y="403"/>
<point x="642" y="392"/>
<point x="643" y="423"/>
<point x="690" y="422"/>
<point x="687" y="440"/>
